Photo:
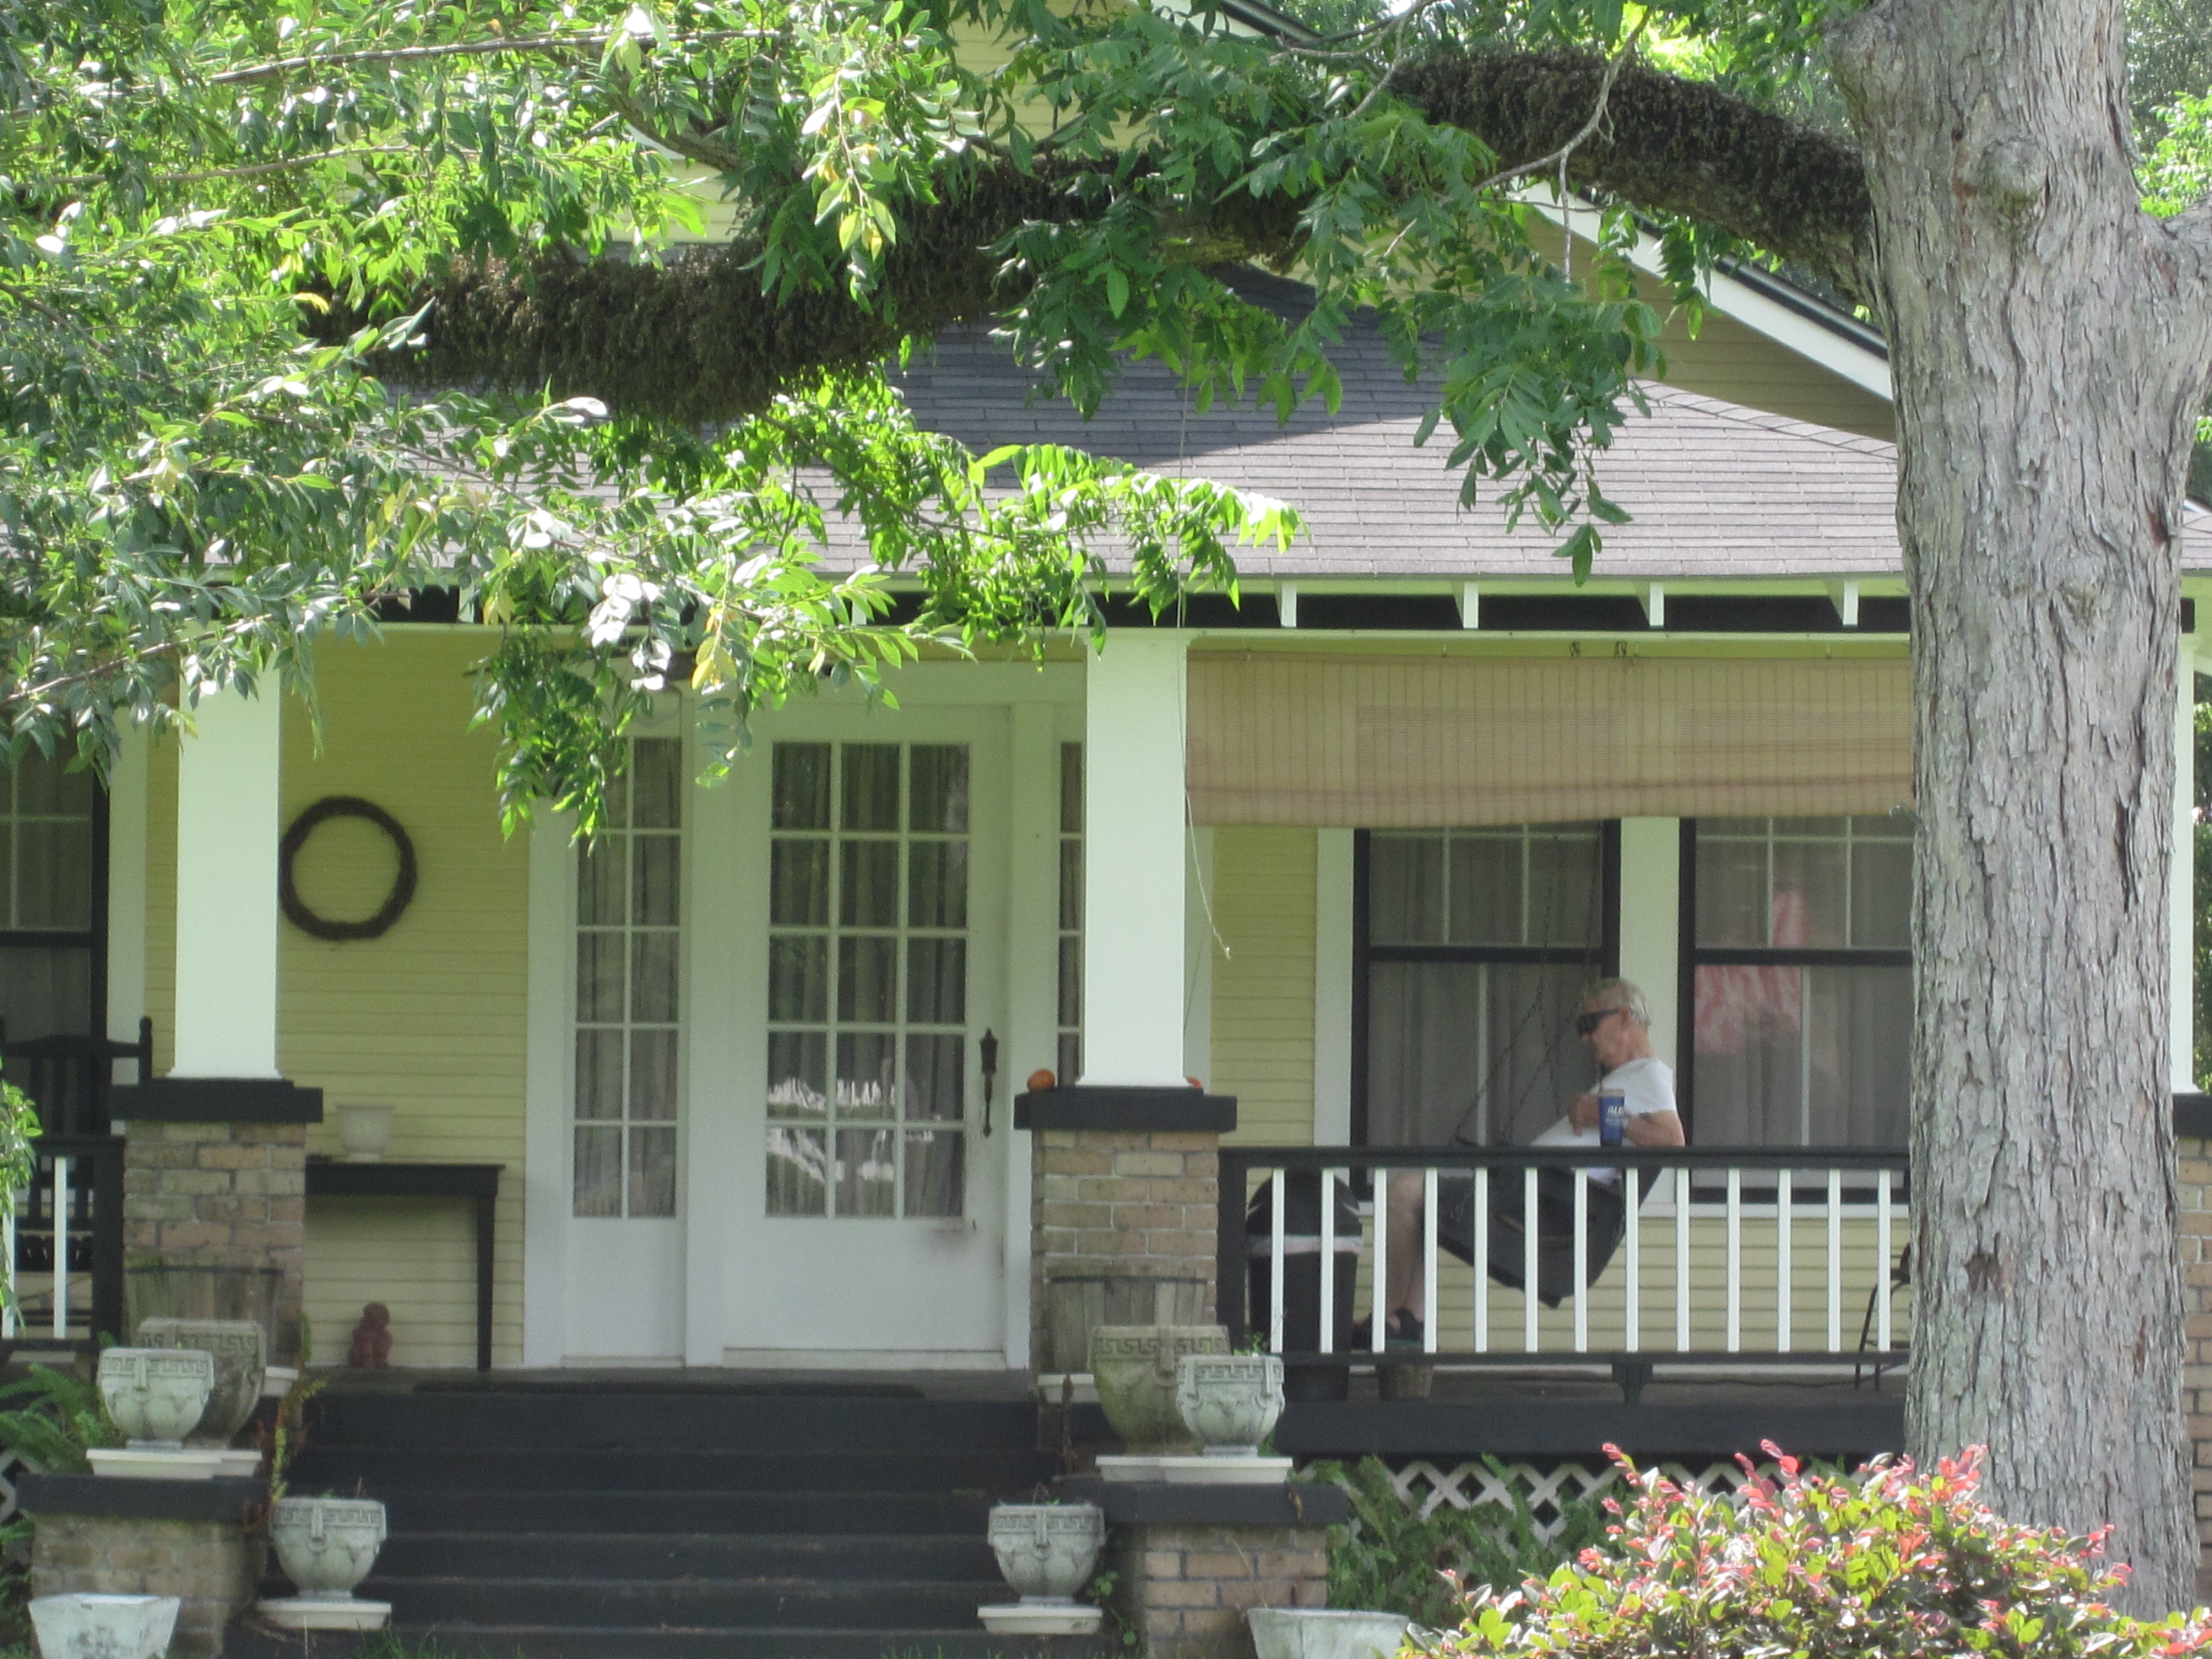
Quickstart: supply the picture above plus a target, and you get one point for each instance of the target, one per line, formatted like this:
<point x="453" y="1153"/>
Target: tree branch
<point x="279" y="67"/>
<point x="1669" y="145"/>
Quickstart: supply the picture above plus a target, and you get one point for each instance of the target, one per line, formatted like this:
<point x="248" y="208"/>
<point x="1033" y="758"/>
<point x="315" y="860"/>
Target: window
<point x="53" y="924"/>
<point x="1800" y="950"/>
<point x="1069" y="1024"/>
<point x="628" y="934"/>
<point x="1477" y="945"/>
<point x="867" y="1048"/>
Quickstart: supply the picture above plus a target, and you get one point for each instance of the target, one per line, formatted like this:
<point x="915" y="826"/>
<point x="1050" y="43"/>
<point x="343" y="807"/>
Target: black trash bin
<point x="1302" y="1279"/>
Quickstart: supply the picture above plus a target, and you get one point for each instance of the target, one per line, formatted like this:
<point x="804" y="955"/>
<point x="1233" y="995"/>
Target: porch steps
<point x="681" y="1520"/>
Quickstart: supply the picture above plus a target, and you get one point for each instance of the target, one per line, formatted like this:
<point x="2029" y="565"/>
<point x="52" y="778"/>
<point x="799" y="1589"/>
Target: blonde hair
<point x="1624" y="994"/>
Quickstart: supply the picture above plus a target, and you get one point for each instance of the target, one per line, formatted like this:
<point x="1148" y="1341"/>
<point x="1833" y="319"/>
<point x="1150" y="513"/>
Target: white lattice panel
<point x="1425" y="1488"/>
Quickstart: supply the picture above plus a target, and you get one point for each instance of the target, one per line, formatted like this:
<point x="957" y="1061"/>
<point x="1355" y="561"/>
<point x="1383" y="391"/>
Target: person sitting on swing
<point x="1615" y="1021"/>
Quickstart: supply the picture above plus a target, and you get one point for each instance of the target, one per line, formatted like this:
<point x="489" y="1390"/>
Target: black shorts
<point x="1555" y="1228"/>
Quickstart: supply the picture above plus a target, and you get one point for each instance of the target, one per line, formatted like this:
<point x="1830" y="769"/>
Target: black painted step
<point x="679" y="1422"/>
<point x="340" y="1468"/>
<point x="538" y="1642"/>
<point x="689" y="1603"/>
<point x="416" y="1510"/>
<point x="826" y="1558"/>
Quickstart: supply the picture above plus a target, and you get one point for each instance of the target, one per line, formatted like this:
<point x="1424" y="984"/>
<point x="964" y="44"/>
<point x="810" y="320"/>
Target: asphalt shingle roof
<point x="1719" y="491"/>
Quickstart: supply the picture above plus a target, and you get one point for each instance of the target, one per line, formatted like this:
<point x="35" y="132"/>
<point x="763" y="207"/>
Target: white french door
<point x="867" y="1205"/>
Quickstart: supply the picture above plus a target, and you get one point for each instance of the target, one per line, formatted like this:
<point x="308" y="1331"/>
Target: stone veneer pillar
<point x="1123" y="1189"/>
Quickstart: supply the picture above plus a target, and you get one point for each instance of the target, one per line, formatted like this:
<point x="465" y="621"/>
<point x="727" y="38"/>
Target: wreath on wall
<point x="402" y="885"/>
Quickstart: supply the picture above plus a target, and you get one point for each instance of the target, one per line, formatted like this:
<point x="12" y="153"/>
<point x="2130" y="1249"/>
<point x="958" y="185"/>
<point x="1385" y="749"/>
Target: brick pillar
<point x="212" y="1566"/>
<point x="1182" y="1588"/>
<point x="1123" y="1223"/>
<point x="2194" y="1192"/>
<point x="220" y="1195"/>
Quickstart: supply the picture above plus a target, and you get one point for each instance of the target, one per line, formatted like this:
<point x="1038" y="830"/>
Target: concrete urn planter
<point x="90" y="1627"/>
<point x="1047" y="1551"/>
<point x="1325" y="1633"/>
<point x="240" y="1350"/>
<point x="156" y="1396"/>
<point x="326" y="1544"/>
<point x="1134" y="1368"/>
<point x="1229" y="1401"/>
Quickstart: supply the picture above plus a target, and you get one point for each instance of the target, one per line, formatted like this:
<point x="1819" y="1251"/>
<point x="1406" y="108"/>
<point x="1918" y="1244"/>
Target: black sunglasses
<point x="1585" y="1023"/>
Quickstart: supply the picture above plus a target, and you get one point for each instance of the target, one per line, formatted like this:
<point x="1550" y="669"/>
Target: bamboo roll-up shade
<point x="1393" y="742"/>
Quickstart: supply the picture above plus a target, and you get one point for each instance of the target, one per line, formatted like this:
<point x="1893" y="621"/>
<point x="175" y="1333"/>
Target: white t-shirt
<point x="1646" y="1085"/>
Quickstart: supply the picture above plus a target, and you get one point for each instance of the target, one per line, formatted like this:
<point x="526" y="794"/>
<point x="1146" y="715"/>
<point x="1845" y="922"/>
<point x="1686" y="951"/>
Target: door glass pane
<point x="888" y="889"/>
<point x="629" y="950"/>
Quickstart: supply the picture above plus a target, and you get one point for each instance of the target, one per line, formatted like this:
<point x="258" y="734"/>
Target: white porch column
<point x="1651" y="922"/>
<point x="2182" y="879"/>
<point x="1135" y="871"/>
<point x="228" y="830"/>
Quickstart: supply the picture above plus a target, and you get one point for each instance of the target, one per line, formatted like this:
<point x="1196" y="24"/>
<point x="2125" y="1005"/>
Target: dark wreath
<point x="402" y="885"/>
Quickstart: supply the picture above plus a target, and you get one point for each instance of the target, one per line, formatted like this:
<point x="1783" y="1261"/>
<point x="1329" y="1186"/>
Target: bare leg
<point x="1402" y="1270"/>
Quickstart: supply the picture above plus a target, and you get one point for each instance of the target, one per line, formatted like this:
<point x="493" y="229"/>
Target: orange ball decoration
<point x="1040" y="1080"/>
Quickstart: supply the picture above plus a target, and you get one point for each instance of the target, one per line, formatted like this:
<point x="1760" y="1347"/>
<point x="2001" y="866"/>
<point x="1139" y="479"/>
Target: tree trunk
<point x="2047" y="354"/>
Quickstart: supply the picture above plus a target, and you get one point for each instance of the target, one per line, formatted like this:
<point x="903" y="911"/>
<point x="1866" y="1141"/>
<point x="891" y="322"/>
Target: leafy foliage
<point x="49" y="1418"/>
<point x="1895" y="1560"/>
<point x="1390" y="1558"/>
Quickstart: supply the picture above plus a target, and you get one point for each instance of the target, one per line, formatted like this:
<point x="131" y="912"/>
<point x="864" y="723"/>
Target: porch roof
<point x="1719" y="491"/>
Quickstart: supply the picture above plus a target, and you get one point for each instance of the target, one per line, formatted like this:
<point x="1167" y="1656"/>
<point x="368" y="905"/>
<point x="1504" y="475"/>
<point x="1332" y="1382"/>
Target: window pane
<point x="1807" y="909"/>
<point x="867" y="1074"/>
<point x="49" y="789"/>
<point x="1479" y="1053"/>
<point x="599" y="959"/>
<point x="653" y="977"/>
<point x="1071" y="883"/>
<point x="1881" y="894"/>
<point x="653" y="1076"/>
<point x="45" y="993"/>
<point x="53" y="875"/>
<point x="1565" y="902"/>
<point x="868" y="878"/>
<point x="798" y="978"/>
<point x="799" y="883"/>
<point x="1070" y="1056"/>
<point x="599" y="1188"/>
<point x="937" y="884"/>
<point x="867" y="1179"/>
<point x="1405" y="889"/>
<point x="940" y="789"/>
<point x="797" y="1072"/>
<point x="937" y="981"/>
<point x="867" y="980"/>
<point x="872" y="786"/>
<point x="599" y="892"/>
<point x="801" y="790"/>
<point x="652" y="1171"/>
<point x="1799" y="1056"/>
<point x="599" y="1075"/>
<point x="1071" y="789"/>
<point x="656" y="860"/>
<point x="935" y="1074"/>
<point x="797" y="1160"/>
<point x="1070" y="982"/>
<point x="657" y="794"/>
<point x="1732" y="890"/>
<point x="1486" y="890"/>
<point x="936" y="1161"/>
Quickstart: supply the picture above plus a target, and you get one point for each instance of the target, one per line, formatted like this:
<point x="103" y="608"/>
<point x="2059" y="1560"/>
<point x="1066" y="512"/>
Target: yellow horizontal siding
<point x="430" y="1017"/>
<point x="1263" y="991"/>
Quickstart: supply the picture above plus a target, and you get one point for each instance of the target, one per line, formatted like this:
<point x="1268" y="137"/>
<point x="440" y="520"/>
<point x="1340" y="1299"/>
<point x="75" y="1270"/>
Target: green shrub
<point x="49" y="1418"/>
<point x="1392" y="1559"/>
<point x="1893" y="1561"/>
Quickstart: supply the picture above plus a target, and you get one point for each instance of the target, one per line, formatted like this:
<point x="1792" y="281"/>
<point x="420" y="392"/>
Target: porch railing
<point x="63" y="1248"/>
<point x="1729" y="1256"/>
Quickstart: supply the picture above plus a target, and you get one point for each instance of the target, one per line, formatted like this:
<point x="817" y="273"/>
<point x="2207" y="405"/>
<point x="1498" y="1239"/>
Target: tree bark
<point x="2048" y="343"/>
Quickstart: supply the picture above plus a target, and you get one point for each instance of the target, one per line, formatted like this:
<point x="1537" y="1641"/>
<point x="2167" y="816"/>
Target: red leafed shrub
<point x="1887" y="1564"/>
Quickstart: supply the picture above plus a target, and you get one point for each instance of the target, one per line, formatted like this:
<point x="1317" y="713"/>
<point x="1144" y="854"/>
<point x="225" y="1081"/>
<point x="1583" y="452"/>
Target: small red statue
<point x="372" y="1338"/>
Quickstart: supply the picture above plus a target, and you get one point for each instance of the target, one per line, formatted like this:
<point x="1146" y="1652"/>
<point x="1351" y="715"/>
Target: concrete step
<point x="828" y="1557"/>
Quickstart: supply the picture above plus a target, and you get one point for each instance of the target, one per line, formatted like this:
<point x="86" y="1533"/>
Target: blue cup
<point x="1611" y="1117"/>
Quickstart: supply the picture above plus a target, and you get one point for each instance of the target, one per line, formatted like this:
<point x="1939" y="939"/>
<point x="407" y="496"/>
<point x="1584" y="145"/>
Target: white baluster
<point x="1275" y="1211"/>
<point x="1429" y="1260"/>
<point x="1735" y="1260"/>
<point x="1328" y="1261"/>
<point x="61" y="1247"/>
<point x="1782" y="1265"/>
<point x="1582" y="1261"/>
<point x="1835" y="1262"/>
<point x="1632" y="1314"/>
<point x="1682" y="1261"/>
<point x="1378" y="1324"/>
<point x="1482" y="1260"/>
<point x="1881" y="1259"/>
<point x="1530" y="1342"/>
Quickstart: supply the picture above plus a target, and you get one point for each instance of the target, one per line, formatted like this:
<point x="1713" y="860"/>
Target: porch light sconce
<point x="402" y="885"/>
